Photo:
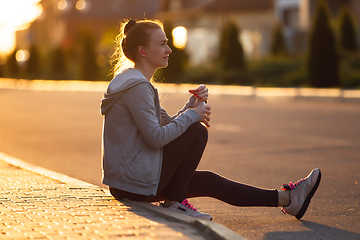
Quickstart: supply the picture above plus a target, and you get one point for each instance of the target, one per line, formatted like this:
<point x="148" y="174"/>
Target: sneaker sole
<point x="308" y="198"/>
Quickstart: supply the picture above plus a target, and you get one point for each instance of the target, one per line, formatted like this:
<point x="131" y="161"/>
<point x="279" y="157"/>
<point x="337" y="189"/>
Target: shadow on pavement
<point x="317" y="231"/>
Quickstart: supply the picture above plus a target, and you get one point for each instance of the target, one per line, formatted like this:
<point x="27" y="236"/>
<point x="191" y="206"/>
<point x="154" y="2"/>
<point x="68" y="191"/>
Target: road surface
<point x="259" y="141"/>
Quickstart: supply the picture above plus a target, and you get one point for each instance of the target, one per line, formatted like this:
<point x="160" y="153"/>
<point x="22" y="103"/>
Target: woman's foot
<point x="186" y="208"/>
<point x="301" y="193"/>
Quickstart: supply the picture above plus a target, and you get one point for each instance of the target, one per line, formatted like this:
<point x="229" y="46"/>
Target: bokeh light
<point x="62" y="5"/>
<point x="22" y="55"/>
<point x="82" y="5"/>
<point x="180" y="37"/>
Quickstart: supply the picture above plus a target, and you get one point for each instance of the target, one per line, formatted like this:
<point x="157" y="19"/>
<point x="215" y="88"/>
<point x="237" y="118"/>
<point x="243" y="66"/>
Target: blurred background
<point x="265" y="43"/>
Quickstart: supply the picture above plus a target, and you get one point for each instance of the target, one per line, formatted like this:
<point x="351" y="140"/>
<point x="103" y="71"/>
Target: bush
<point x="277" y="72"/>
<point x="323" y="58"/>
<point x="350" y="71"/>
<point x="201" y="74"/>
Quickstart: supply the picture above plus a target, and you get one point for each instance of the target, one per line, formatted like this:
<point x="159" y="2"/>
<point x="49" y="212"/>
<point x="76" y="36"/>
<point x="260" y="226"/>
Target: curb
<point x="246" y="91"/>
<point x="211" y="229"/>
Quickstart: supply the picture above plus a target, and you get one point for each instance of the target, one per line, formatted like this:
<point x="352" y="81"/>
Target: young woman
<point x="151" y="156"/>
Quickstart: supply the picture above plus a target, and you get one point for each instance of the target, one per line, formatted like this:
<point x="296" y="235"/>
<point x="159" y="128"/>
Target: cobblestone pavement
<point x="33" y="206"/>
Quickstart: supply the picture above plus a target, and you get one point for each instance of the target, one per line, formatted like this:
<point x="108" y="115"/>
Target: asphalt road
<point x="263" y="142"/>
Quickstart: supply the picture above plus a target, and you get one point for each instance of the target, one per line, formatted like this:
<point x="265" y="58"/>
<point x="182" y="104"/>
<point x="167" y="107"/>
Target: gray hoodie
<point x="134" y="132"/>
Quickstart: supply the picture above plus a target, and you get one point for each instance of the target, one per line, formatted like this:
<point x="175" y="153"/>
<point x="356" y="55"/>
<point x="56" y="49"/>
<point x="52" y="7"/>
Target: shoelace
<point x="291" y="186"/>
<point x="188" y="205"/>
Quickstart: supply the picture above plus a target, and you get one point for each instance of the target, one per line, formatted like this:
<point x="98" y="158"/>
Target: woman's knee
<point x="200" y="130"/>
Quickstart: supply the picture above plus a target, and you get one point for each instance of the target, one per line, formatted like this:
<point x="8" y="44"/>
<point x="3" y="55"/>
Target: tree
<point x="1" y="69"/>
<point x="232" y="59"/>
<point x="33" y="64"/>
<point x="323" y="57"/>
<point x="177" y="60"/>
<point x="347" y="31"/>
<point x="12" y="65"/>
<point x="58" y="63"/>
<point x="88" y="66"/>
<point x="278" y="46"/>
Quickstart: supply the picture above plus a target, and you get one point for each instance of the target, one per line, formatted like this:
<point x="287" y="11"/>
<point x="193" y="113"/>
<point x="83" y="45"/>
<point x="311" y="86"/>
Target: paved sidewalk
<point x="34" y="206"/>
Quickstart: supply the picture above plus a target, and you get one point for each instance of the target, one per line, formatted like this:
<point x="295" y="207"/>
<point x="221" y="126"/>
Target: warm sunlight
<point x="14" y="16"/>
<point x="180" y="37"/>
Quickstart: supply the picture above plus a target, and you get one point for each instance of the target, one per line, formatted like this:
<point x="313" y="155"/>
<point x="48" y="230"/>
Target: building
<point x="62" y="20"/>
<point x="204" y="20"/>
<point x="296" y="17"/>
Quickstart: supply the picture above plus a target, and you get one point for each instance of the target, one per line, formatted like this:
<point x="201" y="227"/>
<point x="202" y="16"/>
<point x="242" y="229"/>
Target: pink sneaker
<point x="301" y="193"/>
<point x="186" y="208"/>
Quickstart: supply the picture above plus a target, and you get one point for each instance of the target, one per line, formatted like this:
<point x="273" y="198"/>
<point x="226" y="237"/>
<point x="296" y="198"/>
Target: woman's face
<point x="157" y="53"/>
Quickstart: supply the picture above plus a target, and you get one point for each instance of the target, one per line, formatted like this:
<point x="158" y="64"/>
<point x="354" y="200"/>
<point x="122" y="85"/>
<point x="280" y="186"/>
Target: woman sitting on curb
<point x="151" y="156"/>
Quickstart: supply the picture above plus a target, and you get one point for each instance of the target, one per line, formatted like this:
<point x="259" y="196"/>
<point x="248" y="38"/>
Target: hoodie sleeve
<point x="140" y="101"/>
<point x="166" y="118"/>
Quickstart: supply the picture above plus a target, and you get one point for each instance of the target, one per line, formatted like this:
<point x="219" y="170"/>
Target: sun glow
<point x="16" y="15"/>
<point x="180" y="37"/>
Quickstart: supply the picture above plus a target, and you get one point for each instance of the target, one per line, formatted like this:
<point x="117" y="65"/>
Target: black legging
<point x="179" y="178"/>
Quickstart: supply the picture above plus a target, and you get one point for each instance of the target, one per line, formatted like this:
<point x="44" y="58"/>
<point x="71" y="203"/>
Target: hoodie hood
<point x="120" y="83"/>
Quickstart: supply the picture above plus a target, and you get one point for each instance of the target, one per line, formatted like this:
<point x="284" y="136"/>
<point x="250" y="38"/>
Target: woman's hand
<point x="201" y="93"/>
<point x="204" y="112"/>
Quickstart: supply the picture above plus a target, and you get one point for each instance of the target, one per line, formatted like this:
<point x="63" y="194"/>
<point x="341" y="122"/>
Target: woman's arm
<point x="166" y="118"/>
<point x="198" y="94"/>
<point x="140" y="101"/>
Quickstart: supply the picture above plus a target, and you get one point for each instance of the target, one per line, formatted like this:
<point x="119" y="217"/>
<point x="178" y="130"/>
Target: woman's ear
<point x="142" y="51"/>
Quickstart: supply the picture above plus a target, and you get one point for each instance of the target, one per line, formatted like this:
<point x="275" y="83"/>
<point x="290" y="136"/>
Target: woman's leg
<point x="209" y="184"/>
<point x="179" y="178"/>
<point x="180" y="160"/>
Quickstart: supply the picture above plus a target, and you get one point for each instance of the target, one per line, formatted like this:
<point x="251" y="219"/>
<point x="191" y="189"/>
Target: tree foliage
<point x="12" y="65"/>
<point x="231" y="50"/>
<point x="33" y="64"/>
<point x="88" y="66"/>
<point x="347" y="31"/>
<point x="232" y="59"/>
<point x="278" y="45"/>
<point x="57" y="63"/>
<point x="323" y="57"/>
<point x="177" y="60"/>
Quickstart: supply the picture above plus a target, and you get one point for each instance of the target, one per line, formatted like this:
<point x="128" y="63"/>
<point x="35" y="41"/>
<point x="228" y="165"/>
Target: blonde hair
<point x="132" y="34"/>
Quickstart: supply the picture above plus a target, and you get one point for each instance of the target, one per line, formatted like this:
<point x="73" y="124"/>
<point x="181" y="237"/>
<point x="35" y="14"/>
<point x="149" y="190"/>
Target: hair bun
<point x="129" y="25"/>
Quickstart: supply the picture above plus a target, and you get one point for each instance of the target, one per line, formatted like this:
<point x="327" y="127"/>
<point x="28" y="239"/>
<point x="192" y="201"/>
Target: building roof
<point x="215" y="5"/>
<point x="239" y="5"/>
<point x="112" y="9"/>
